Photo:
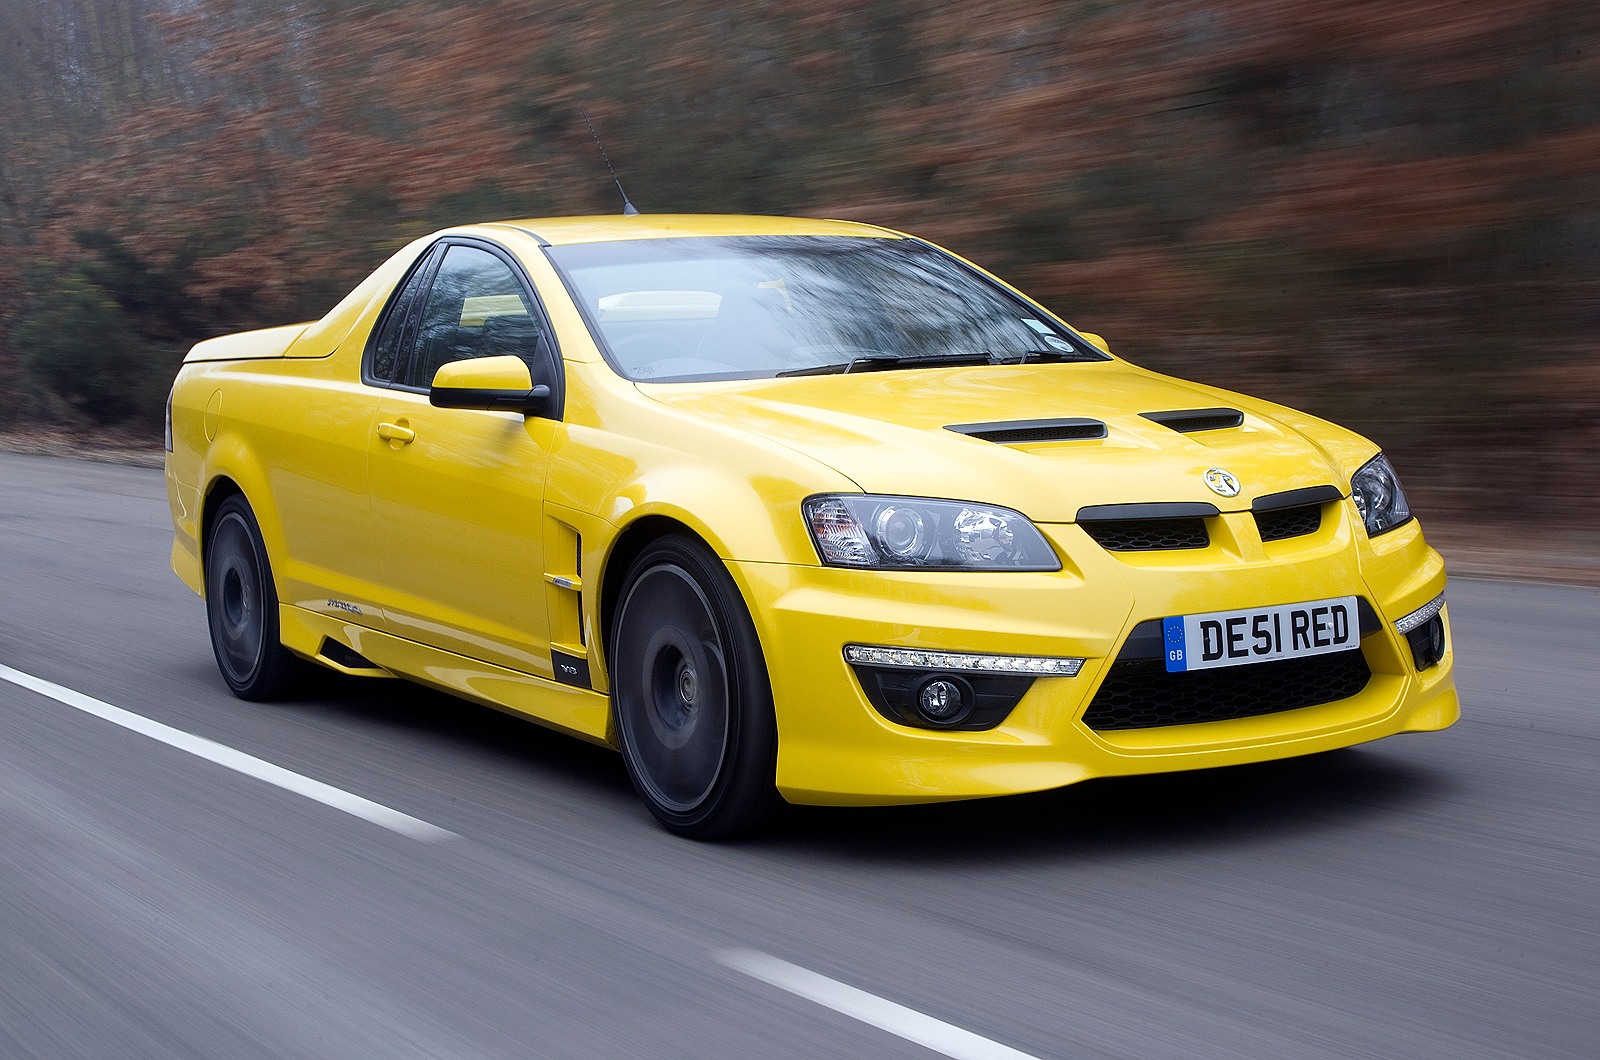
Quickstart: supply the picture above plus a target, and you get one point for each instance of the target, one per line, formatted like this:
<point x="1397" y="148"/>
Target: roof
<point x="558" y="231"/>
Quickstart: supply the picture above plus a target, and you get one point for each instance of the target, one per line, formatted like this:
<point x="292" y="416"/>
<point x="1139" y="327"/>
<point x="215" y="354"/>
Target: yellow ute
<point x="792" y="510"/>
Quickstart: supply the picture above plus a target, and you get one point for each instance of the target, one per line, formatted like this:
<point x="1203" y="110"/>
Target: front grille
<point x="1141" y="694"/>
<point x="1289" y="522"/>
<point x="1147" y="535"/>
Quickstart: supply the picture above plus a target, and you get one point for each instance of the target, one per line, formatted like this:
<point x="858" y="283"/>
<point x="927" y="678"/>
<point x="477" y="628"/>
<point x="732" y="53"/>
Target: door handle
<point x="393" y="432"/>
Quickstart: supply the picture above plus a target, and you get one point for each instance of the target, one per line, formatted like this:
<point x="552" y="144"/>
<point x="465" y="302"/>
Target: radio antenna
<point x="628" y="209"/>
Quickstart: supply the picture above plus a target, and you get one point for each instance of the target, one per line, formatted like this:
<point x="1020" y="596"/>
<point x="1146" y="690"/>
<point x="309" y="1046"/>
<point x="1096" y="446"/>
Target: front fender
<point x="623" y="457"/>
<point x="742" y="517"/>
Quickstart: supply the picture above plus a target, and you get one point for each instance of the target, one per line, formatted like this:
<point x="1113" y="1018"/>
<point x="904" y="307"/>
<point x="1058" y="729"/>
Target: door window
<point x="478" y="308"/>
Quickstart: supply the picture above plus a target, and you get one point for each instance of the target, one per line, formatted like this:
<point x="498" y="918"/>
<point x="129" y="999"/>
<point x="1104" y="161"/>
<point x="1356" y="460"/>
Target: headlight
<point x="1378" y="496"/>
<point x="912" y="533"/>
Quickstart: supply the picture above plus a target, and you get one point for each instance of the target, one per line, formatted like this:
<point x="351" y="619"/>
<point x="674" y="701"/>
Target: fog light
<point x="1427" y="643"/>
<point x="1424" y="631"/>
<point x="941" y="699"/>
<point x="951" y="690"/>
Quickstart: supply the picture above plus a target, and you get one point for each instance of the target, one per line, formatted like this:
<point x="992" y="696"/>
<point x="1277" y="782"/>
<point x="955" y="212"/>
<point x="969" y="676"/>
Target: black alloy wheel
<point x="242" y="606"/>
<point x="690" y="691"/>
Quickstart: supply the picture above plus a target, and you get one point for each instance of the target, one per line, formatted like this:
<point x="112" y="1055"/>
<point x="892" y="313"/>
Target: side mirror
<point x="1097" y="340"/>
<point x="492" y="384"/>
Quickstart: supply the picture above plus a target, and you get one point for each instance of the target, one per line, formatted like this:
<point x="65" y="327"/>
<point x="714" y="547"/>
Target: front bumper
<point x="835" y="748"/>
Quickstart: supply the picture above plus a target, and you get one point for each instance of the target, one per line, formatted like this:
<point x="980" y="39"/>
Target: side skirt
<point x="576" y="711"/>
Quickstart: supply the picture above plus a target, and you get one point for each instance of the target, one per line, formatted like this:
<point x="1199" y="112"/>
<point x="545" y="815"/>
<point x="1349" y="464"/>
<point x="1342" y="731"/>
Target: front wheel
<point x="690" y="691"/>
<point x="242" y="606"/>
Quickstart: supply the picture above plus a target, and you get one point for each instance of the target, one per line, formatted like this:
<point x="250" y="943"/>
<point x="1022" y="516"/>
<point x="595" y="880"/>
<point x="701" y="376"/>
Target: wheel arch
<point x="742" y="794"/>
<point x="219" y="489"/>
<point x="233" y="467"/>
<point x="633" y="539"/>
<point x="735" y="534"/>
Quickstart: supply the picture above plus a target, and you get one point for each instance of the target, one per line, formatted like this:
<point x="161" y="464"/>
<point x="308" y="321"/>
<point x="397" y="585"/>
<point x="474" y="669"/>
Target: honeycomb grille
<point x="1289" y="522"/>
<point x="1147" y="535"/>
<point x="1140" y="694"/>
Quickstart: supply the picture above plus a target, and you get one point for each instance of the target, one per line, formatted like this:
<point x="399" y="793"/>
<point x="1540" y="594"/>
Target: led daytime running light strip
<point x="1044" y="666"/>
<point x="1421" y="615"/>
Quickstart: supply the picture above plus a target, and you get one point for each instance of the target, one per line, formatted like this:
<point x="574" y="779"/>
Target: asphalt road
<point x="1424" y="896"/>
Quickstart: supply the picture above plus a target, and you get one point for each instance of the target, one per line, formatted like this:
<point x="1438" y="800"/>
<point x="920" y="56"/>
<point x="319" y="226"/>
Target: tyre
<point x="242" y="607"/>
<point x="690" y="693"/>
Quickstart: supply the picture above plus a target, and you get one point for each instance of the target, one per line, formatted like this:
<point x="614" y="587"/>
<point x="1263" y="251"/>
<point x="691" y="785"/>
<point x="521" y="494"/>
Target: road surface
<point x="1425" y="896"/>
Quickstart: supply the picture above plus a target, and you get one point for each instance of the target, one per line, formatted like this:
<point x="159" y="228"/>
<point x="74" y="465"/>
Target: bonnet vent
<point x="1010" y="432"/>
<point x="1187" y="421"/>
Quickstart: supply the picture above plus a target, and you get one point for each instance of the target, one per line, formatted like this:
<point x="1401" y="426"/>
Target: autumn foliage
<point x="1386" y="211"/>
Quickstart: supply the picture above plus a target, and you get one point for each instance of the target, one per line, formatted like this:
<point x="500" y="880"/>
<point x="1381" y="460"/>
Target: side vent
<point x="1011" y="432"/>
<point x="345" y="656"/>
<point x="1188" y="421"/>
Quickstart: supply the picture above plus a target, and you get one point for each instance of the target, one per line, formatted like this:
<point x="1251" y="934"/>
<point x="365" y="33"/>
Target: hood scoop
<point x="1012" y="432"/>
<point x="1187" y="421"/>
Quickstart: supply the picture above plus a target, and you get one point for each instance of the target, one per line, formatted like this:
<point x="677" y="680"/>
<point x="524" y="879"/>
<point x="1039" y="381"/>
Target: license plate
<point x="1260" y="634"/>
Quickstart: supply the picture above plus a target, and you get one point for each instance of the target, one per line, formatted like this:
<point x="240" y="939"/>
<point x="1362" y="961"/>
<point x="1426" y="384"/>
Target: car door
<point x="457" y="494"/>
<point x="318" y="430"/>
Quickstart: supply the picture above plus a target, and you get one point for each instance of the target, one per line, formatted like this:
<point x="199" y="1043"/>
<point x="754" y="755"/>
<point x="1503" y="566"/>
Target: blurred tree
<point x="79" y="345"/>
<point x="1371" y="208"/>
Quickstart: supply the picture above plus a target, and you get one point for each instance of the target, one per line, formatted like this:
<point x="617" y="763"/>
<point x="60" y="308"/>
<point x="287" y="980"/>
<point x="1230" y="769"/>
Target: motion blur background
<point x="1385" y="212"/>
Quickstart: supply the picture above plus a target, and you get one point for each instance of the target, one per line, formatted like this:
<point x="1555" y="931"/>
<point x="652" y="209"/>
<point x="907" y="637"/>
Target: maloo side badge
<point x="1222" y="482"/>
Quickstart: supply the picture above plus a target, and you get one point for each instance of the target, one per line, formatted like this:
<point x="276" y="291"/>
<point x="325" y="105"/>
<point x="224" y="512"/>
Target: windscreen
<point x="747" y="307"/>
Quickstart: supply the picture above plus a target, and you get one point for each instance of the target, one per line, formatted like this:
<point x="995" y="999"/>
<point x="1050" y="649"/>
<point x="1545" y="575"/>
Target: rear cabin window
<point x="388" y="353"/>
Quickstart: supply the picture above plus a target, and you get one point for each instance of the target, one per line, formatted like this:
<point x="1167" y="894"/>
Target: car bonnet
<point x="890" y="432"/>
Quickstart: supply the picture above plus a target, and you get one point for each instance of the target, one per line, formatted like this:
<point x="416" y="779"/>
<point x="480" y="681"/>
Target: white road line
<point x="908" y="1023"/>
<point x="238" y="761"/>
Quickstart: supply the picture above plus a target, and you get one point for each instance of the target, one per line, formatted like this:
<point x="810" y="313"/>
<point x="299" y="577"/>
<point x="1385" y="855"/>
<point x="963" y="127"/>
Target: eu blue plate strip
<point x="1172" y="637"/>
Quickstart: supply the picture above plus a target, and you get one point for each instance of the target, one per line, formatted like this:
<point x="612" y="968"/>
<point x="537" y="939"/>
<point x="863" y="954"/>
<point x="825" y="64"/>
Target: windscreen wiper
<point x="882" y="362"/>
<point x="876" y="362"/>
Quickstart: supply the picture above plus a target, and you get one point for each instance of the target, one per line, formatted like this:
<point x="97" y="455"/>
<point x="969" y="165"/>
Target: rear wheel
<point x="690" y="691"/>
<point x="242" y="606"/>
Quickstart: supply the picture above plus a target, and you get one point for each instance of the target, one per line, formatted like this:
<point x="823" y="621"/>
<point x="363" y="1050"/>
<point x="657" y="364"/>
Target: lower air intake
<point x="1147" y="535"/>
<point x="1141" y="694"/>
